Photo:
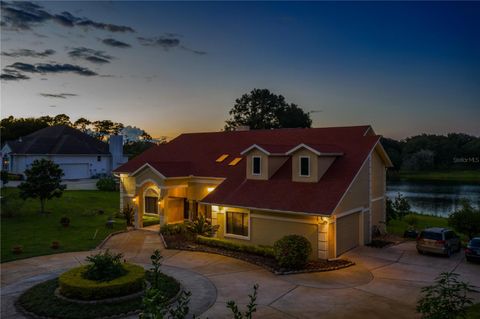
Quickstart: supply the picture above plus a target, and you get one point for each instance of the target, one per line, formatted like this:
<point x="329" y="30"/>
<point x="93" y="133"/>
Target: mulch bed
<point x="268" y="263"/>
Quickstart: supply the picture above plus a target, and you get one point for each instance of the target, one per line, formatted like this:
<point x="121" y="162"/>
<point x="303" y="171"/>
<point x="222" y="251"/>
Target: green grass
<point x="35" y="232"/>
<point x="472" y="176"/>
<point x="398" y="227"/>
<point x="149" y="220"/>
<point x="474" y="312"/>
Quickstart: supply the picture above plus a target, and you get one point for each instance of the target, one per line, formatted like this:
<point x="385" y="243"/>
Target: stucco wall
<point x="358" y="194"/>
<point x="378" y="214"/>
<point x="263" y="165"/>
<point x="378" y="176"/>
<point x="313" y="178"/>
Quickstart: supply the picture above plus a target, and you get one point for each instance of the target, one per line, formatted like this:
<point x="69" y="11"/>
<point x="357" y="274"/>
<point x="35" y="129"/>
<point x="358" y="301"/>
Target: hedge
<point x="73" y="285"/>
<point x="221" y="243"/>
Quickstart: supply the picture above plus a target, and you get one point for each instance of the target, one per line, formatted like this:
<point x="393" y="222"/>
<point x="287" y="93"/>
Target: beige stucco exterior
<point x="362" y="205"/>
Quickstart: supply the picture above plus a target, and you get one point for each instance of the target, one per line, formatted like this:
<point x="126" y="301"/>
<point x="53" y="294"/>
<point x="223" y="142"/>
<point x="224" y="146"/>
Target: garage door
<point x="75" y="171"/>
<point x="347" y="233"/>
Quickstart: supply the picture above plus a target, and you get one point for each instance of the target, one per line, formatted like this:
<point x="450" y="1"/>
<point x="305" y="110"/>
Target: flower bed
<point x="40" y="301"/>
<point x="74" y="285"/>
<point x="257" y="255"/>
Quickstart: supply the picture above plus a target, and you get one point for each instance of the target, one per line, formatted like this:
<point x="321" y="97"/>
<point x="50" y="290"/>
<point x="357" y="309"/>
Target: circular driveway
<point x="383" y="283"/>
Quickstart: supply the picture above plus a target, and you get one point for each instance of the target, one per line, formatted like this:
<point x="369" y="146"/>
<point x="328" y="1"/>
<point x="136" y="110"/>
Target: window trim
<point x="228" y="235"/>
<point x="259" y="165"/>
<point x="300" y="166"/>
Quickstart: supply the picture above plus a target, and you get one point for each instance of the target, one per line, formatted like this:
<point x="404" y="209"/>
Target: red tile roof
<point x="195" y="154"/>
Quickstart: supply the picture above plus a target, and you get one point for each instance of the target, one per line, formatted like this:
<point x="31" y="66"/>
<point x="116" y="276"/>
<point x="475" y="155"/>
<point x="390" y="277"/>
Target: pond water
<point x="434" y="198"/>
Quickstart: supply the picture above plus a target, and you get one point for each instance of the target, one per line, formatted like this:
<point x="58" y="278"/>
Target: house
<point x="326" y="184"/>
<point x="78" y="154"/>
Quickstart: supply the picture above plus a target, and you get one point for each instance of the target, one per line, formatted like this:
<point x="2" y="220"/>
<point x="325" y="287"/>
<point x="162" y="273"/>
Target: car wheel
<point x="420" y="251"/>
<point x="468" y="259"/>
<point x="449" y="252"/>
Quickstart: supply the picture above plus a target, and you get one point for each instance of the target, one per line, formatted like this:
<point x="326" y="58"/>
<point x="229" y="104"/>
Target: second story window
<point x="304" y="166"/>
<point x="256" y="165"/>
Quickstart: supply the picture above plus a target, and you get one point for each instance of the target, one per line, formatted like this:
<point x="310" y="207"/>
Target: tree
<point x="14" y="128"/>
<point x="82" y="124"/>
<point x="261" y="109"/>
<point x="419" y="161"/>
<point x="105" y="128"/>
<point x="466" y="220"/>
<point x="401" y="206"/>
<point x="43" y="180"/>
<point x="62" y="119"/>
<point x="446" y="298"/>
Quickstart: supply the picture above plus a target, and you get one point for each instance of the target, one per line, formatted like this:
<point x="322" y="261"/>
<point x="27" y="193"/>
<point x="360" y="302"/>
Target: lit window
<point x="235" y="161"/>
<point x="304" y="166"/>
<point x="221" y="158"/>
<point x="237" y="224"/>
<point x="256" y="165"/>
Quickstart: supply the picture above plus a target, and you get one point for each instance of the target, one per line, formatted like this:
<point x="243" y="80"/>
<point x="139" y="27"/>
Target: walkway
<point x="384" y="283"/>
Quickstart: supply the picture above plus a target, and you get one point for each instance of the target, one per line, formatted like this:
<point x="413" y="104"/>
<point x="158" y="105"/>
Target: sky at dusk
<point x="403" y="67"/>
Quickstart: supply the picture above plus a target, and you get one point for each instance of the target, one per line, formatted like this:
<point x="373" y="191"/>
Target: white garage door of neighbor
<point x="347" y="232"/>
<point x="75" y="170"/>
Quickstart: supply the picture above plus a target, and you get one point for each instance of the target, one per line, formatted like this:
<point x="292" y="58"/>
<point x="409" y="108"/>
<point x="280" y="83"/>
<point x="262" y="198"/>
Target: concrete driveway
<point x="385" y="283"/>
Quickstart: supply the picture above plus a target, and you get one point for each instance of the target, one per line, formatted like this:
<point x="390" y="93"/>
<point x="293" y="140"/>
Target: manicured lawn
<point x="36" y="232"/>
<point x="149" y="220"/>
<point x="472" y="176"/>
<point x="398" y="227"/>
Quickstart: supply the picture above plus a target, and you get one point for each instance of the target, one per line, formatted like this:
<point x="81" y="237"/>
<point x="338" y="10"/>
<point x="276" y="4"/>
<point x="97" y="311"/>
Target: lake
<point x="434" y="198"/>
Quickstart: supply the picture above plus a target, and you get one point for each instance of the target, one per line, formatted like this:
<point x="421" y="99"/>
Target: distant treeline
<point x="434" y="152"/>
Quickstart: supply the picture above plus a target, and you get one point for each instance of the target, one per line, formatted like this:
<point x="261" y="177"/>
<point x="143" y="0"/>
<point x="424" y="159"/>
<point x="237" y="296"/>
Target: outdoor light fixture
<point x="209" y="189"/>
<point x="134" y="199"/>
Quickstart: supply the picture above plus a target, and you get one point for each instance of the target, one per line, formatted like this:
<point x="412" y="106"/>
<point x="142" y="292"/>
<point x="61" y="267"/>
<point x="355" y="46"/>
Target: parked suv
<point x="472" y="252"/>
<point x="439" y="241"/>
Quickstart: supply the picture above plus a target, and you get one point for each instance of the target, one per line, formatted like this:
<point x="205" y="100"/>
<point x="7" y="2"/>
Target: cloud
<point x="12" y="75"/>
<point x="115" y="43"/>
<point x="90" y="55"/>
<point x="168" y="41"/>
<point x="44" y="68"/>
<point x="29" y="53"/>
<point x="164" y="42"/>
<point x="58" y="96"/>
<point x="24" y="15"/>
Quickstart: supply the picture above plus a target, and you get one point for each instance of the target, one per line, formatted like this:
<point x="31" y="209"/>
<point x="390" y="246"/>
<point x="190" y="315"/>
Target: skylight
<point x="235" y="161"/>
<point x="221" y="158"/>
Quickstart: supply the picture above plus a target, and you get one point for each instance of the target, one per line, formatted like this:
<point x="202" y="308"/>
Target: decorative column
<point x="322" y="238"/>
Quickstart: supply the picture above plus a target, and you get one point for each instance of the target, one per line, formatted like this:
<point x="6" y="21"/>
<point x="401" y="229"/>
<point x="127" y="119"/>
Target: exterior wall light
<point x="209" y="189"/>
<point x="134" y="199"/>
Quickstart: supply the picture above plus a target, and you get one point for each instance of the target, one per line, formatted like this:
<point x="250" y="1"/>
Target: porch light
<point x="209" y="189"/>
<point x="134" y="199"/>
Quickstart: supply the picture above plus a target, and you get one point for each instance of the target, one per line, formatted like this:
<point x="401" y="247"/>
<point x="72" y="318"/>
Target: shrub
<point x="173" y="229"/>
<point x="107" y="184"/>
<point x="466" y="220"/>
<point x="251" y="306"/>
<point x="201" y="226"/>
<point x="401" y="206"/>
<point x="149" y="220"/>
<point x="222" y="243"/>
<point x="73" y="284"/>
<point x="129" y="215"/>
<point x="292" y="251"/>
<point x="4" y="177"/>
<point x="65" y="221"/>
<point x="446" y="298"/>
<point x="104" y="266"/>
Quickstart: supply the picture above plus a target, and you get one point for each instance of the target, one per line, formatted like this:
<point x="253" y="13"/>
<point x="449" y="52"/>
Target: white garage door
<point x="75" y="171"/>
<point x="348" y="229"/>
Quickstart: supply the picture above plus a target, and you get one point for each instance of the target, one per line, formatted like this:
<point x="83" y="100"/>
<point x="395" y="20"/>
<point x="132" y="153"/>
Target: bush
<point x="292" y="251"/>
<point x="466" y="220"/>
<point x="222" y="243"/>
<point x="65" y="221"/>
<point x="129" y="215"/>
<point x="202" y="227"/>
<point x="104" y="266"/>
<point x="107" y="184"/>
<point x="173" y="229"/>
<point x="446" y="298"/>
<point x="73" y="284"/>
<point x="149" y="220"/>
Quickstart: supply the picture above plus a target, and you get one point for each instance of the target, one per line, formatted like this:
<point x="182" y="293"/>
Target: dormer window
<point x="305" y="166"/>
<point x="256" y="165"/>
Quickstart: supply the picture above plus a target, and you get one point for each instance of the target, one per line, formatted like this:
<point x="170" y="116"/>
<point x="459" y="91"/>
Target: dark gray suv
<point x="438" y="241"/>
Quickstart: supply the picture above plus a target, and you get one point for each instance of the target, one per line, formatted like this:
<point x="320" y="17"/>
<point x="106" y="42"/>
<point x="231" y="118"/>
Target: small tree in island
<point x="43" y="180"/>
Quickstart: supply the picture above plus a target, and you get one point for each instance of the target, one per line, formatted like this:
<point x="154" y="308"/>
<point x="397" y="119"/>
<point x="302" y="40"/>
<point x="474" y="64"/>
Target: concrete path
<point x="384" y="283"/>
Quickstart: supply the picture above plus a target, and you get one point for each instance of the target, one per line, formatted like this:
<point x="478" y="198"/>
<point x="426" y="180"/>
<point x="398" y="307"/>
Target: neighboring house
<point x="327" y="184"/>
<point x="78" y="154"/>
